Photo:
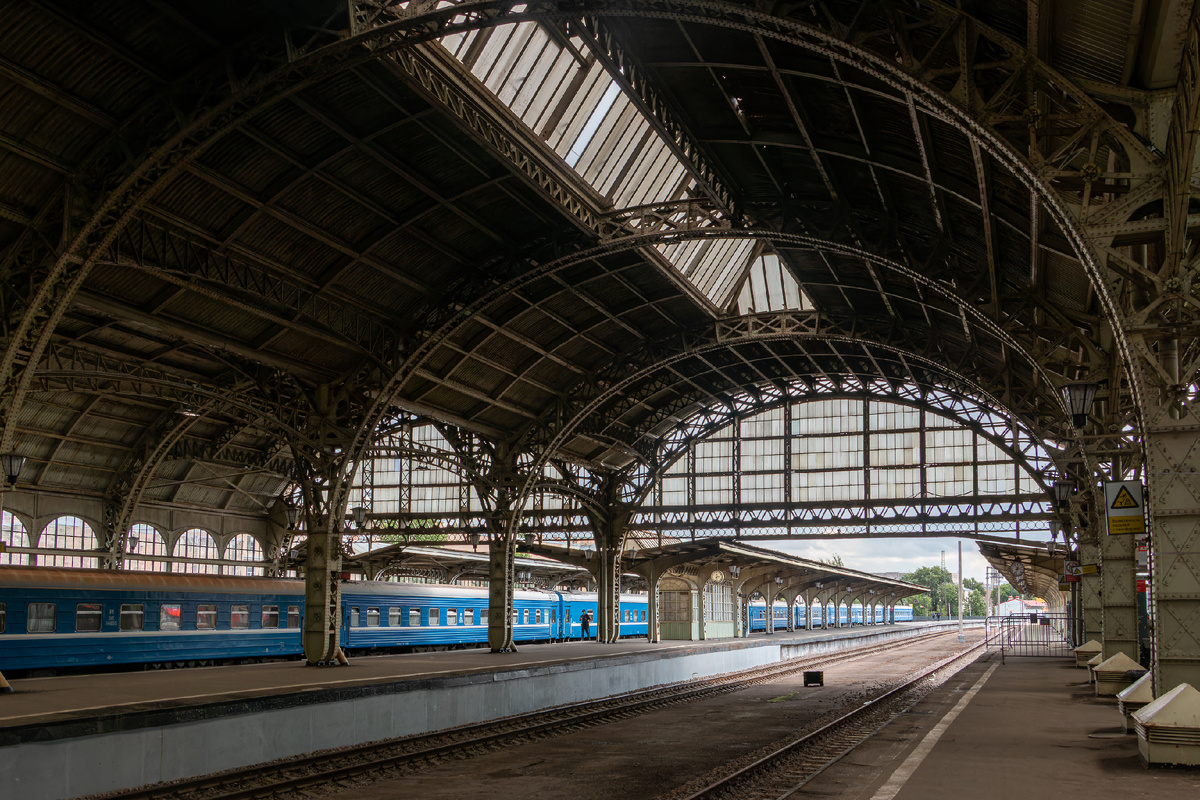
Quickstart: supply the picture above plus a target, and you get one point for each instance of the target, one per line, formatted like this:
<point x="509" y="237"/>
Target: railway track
<point x="346" y="766"/>
<point x="783" y="772"/>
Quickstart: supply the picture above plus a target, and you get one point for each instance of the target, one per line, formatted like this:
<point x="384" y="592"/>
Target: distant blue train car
<point x="779" y="613"/>
<point x="82" y="619"/>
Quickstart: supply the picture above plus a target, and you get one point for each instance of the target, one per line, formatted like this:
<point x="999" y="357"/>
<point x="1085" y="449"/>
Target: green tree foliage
<point x="933" y="578"/>
<point x="834" y="561"/>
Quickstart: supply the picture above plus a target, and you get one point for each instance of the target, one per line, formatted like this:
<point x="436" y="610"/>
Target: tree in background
<point x="834" y="561"/>
<point x="933" y="578"/>
<point x="976" y="602"/>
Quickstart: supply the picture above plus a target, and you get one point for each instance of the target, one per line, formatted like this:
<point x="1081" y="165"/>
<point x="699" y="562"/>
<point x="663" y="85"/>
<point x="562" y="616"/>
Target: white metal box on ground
<point x="1168" y="729"/>
<point x="1137" y="695"/>
<point x="1116" y="673"/>
<point x="1086" y="651"/>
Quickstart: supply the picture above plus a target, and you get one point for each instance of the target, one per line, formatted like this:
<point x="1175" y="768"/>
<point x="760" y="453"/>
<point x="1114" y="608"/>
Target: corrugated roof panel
<point x="1091" y="38"/>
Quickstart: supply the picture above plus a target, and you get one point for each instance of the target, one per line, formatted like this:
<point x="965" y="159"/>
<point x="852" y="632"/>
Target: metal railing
<point x="1031" y="635"/>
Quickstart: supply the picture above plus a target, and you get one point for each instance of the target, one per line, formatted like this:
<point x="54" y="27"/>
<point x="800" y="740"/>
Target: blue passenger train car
<point x="88" y="619"/>
<point x="631" y="615"/>
<point x="66" y="618"/>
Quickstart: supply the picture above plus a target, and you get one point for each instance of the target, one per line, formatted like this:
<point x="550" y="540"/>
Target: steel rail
<point x="279" y="777"/>
<point x="832" y="740"/>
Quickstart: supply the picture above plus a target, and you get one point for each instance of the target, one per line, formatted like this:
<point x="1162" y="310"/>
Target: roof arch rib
<point x="647" y="376"/>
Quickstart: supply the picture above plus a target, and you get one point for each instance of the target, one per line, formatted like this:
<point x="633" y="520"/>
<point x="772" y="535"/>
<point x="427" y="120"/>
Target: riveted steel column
<point x="501" y="580"/>
<point x="1173" y="477"/>
<point x="322" y="585"/>
<point x="1089" y="589"/>
<point x="1118" y="589"/>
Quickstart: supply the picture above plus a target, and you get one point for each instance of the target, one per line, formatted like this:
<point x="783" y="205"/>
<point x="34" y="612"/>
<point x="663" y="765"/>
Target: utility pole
<point x="961" y="637"/>
<point x="940" y="603"/>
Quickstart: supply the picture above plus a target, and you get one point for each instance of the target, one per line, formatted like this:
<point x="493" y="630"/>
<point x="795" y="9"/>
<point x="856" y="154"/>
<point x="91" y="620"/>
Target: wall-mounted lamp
<point x="735" y="570"/>
<point x="473" y="538"/>
<point x="529" y="540"/>
<point x="778" y="580"/>
<point x="293" y="514"/>
<point x="1080" y="396"/>
<point x="360" y="516"/>
<point x="131" y="543"/>
<point x="11" y="464"/>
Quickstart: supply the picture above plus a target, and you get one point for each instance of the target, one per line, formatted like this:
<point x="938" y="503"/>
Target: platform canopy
<point x="723" y="559"/>
<point x="1032" y="570"/>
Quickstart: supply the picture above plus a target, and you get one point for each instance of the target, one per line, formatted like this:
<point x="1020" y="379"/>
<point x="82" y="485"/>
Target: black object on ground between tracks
<point x="814" y="678"/>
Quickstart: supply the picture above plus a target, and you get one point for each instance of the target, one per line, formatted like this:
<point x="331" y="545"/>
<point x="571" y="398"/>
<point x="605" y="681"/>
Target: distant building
<point x="1017" y="606"/>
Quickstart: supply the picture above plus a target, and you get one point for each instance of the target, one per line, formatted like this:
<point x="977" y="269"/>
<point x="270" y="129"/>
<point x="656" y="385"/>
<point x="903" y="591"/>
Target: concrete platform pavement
<point x="100" y="733"/>
<point x="1029" y="728"/>
<point x="59" y="706"/>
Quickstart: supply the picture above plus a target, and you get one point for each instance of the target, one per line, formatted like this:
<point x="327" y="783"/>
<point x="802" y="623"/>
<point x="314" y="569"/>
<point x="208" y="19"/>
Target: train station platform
<point x="1030" y="727"/>
<point x="108" y="731"/>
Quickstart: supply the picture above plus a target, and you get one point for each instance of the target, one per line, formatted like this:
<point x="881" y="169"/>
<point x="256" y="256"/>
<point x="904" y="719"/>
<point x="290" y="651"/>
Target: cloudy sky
<point x="889" y="555"/>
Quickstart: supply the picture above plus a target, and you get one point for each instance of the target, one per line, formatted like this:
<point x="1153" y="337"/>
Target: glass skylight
<point x="770" y="286"/>
<point x="561" y="91"/>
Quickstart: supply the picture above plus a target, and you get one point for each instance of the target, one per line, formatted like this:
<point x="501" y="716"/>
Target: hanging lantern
<point x="1079" y="397"/>
<point x="12" y="463"/>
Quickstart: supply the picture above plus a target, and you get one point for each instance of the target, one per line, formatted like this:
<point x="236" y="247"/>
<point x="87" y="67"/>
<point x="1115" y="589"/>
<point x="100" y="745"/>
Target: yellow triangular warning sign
<point x="1124" y="500"/>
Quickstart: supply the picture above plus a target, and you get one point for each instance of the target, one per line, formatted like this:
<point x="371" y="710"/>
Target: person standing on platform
<point x="585" y="619"/>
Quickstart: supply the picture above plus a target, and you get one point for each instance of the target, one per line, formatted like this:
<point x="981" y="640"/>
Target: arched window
<point x="195" y="543"/>
<point x="13" y="534"/>
<point x="68" y="534"/>
<point x="243" y="547"/>
<point x="143" y="545"/>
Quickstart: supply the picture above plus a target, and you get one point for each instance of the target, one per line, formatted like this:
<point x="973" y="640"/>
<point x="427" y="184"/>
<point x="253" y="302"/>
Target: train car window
<point x="553" y="615"/>
<point x="468" y="617"/>
<point x="293" y="619"/>
<point x="41" y="618"/>
<point x="353" y="616"/>
<point x="434" y="615"/>
<point x="642" y="615"/>
<point x="394" y="617"/>
<point x="206" y="618"/>
<point x="372" y="617"/>
<point x="451" y="616"/>
<point x="88" y="617"/>
<point x="516" y="617"/>
<point x="414" y="618"/>
<point x="170" y="616"/>
<point x="537" y="616"/>
<point x="239" y="617"/>
<point x="133" y="616"/>
<point x="270" y="616"/>
<point x="3" y="617"/>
